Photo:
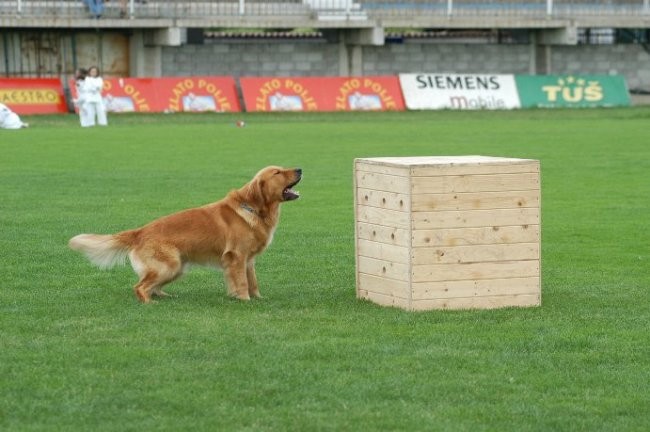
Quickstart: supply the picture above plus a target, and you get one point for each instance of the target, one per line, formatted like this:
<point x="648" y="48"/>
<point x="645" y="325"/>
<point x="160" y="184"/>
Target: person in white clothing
<point x="79" y="83"/>
<point x="93" y="104"/>
<point x="9" y="119"/>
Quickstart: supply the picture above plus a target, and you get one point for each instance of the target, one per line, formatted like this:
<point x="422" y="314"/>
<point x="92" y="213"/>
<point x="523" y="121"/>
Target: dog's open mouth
<point x="288" y="194"/>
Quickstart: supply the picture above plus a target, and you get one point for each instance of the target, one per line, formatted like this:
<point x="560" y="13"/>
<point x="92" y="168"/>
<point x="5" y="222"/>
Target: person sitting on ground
<point x="9" y="119"/>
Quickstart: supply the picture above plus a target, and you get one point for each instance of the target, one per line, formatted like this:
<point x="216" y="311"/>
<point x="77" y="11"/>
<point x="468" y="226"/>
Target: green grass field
<point x="79" y="353"/>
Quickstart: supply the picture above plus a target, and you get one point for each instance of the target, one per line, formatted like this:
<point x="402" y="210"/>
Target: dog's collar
<point x="249" y="209"/>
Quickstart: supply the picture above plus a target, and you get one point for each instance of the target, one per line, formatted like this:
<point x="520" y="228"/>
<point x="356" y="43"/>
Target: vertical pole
<point x="646" y="6"/>
<point x="344" y="55"/>
<point x="532" y="63"/>
<point x="20" y="57"/>
<point x="73" y="48"/>
<point x="549" y="7"/>
<point x="20" y="6"/>
<point x="131" y="8"/>
<point x="5" y="48"/>
<point x="450" y="7"/>
<point x="242" y="7"/>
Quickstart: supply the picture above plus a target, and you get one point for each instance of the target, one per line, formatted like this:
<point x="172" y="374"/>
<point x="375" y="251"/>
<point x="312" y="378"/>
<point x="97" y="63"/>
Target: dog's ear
<point x="257" y="191"/>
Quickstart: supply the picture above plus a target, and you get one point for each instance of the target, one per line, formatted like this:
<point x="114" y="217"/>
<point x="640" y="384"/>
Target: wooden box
<point x="448" y="232"/>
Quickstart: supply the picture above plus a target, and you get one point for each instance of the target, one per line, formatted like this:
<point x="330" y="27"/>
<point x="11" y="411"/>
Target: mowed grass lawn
<point x="79" y="353"/>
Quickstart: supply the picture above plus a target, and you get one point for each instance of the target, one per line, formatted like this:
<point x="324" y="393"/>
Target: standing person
<point x="9" y="119"/>
<point x="79" y="82"/>
<point x="123" y="8"/>
<point x="93" y="103"/>
<point x="96" y="8"/>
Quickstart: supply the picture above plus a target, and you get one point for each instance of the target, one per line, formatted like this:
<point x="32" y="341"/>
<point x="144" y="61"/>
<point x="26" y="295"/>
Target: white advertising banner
<point x="459" y="91"/>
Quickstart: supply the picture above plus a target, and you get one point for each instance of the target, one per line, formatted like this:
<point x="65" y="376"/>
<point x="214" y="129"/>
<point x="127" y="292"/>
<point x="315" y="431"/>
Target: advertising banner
<point x="550" y="91"/>
<point x="459" y="91"/>
<point x="33" y="95"/>
<point x="175" y="94"/>
<point x="372" y="93"/>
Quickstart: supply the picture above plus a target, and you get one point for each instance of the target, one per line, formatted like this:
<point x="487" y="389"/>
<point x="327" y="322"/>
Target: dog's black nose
<point x="299" y="172"/>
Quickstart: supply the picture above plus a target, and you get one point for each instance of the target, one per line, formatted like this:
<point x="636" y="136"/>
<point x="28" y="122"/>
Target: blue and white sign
<point x="459" y="91"/>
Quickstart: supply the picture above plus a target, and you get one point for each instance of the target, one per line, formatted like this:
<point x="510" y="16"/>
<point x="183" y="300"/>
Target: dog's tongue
<point x="289" y="194"/>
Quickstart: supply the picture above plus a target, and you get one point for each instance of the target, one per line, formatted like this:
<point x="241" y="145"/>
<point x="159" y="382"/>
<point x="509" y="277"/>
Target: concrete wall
<point x="453" y="58"/>
<point x="309" y="58"/>
<point x="253" y="58"/>
<point x="631" y="61"/>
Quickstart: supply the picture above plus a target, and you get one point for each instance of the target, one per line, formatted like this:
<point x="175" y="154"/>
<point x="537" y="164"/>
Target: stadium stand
<point x="48" y="38"/>
<point x="316" y="13"/>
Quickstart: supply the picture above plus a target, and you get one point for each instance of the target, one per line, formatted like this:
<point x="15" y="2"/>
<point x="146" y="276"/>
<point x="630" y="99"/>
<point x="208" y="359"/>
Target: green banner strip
<point x="552" y="91"/>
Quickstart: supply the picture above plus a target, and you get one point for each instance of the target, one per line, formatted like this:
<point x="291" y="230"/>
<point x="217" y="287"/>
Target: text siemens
<point x="458" y="82"/>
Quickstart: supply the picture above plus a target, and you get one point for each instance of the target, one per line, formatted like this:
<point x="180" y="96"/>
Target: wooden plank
<point x="383" y="217"/>
<point x="383" y="251"/>
<point x="379" y="285"/>
<point x="474" y="201"/>
<point x="526" y="166"/>
<point x="386" y="269"/>
<point x="475" y="288"/>
<point x="492" y="302"/>
<point x="473" y="271"/>
<point x="476" y="236"/>
<point x="386" y="300"/>
<point x="474" y="183"/>
<point x="475" y="253"/>
<point x="383" y="234"/>
<point x="382" y="169"/>
<point x="475" y="218"/>
<point x="436" y="161"/>
<point x="382" y="199"/>
<point x="356" y="229"/>
<point x="383" y="182"/>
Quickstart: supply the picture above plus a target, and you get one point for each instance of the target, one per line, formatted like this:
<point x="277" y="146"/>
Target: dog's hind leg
<point x="155" y="270"/>
<point x="144" y="287"/>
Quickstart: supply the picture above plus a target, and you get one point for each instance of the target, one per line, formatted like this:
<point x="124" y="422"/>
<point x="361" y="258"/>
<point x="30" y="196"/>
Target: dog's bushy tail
<point x="105" y="251"/>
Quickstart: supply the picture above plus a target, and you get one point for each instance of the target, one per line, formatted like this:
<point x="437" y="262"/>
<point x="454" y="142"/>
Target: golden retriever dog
<point x="229" y="234"/>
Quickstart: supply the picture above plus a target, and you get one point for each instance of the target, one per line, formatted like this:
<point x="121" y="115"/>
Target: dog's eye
<point x="276" y="172"/>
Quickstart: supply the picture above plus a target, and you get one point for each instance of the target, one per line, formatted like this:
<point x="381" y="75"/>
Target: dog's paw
<point x="238" y="296"/>
<point x="161" y="293"/>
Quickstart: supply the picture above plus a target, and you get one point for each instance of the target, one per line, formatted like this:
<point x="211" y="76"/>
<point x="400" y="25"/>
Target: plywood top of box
<point x="428" y="161"/>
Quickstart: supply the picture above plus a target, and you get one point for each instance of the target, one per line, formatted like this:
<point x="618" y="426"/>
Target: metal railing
<point x="206" y="9"/>
<point x="512" y="7"/>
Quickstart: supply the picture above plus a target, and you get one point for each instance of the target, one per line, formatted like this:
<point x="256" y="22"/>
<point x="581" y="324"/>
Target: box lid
<point x="423" y="161"/>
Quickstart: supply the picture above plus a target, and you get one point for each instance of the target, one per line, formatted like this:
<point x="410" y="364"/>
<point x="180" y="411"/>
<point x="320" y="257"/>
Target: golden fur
<point x="229" y="233"/>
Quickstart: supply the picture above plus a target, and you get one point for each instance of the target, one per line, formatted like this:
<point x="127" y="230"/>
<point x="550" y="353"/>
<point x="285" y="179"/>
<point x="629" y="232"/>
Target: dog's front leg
<point x="253" y="289"/>
<point x="235" y="271"/>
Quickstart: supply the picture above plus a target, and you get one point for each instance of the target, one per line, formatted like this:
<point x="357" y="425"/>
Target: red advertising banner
<point x="33" y="95"/>
<point x="378" y="93"/>
<point x="197" y="94"/>
<point x="189" y="94"/>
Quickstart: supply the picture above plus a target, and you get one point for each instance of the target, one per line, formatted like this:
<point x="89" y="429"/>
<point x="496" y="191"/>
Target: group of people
<point x="89" y="101"/>
<point x="89" y="85"/>
<point x="96" y="7"/>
